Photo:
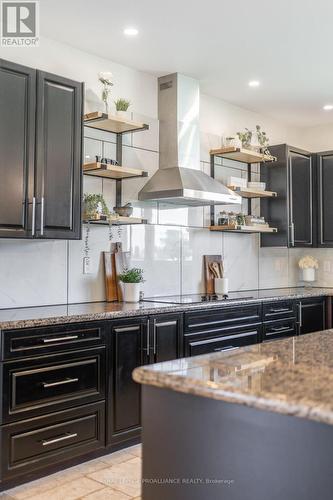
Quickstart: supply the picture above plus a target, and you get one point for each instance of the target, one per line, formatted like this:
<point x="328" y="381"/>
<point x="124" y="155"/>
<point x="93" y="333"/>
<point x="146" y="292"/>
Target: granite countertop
<point x="73" y="313"/>
<point x="292" y="376"/>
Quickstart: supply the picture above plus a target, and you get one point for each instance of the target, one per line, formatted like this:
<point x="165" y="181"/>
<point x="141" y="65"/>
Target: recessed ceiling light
<point x="328" y="107"/>
<point x="131" y="31"/>
<point x="254" y="83"/>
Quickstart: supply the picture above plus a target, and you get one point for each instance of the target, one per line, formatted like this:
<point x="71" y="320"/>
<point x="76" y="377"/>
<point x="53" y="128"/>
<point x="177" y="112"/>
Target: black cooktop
<point x="198" y="298"/>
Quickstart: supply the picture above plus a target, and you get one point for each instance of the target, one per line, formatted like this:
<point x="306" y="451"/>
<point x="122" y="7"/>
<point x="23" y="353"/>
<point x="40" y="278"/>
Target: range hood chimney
<point x="179" y="179"/>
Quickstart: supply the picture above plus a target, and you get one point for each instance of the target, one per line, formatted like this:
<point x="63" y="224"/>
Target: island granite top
<point x="291" y="376"/>
<point x="29" y="317"/>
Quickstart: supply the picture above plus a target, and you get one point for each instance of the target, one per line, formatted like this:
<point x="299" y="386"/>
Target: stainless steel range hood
<point x="179" y="179"/>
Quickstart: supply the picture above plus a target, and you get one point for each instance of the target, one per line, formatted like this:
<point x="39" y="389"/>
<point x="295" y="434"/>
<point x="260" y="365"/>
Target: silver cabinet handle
<point x="46" y="385"/>
<point x="279" y="329"/>
<point x="292" y="237"/>
<point x="33" y="219"/>
<point x="42" y="217"/>
<point x="166" y="323"/>
<point x="154" y="336"/>
<point x="148" y="336"/>
<point x="300" y="314"/>
<point x="231" y="348"/>
<point x="60" y="339"/>
<point x="127" y="329"/>
<point x="283" y="309"/>
<point x="47" y="442"/>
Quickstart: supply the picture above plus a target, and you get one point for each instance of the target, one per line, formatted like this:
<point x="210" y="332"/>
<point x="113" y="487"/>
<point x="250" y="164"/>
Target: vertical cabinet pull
<point x="148" y="336"/>
<point x="154" y="336"/>
<point x="300" y="315"/>
<point x="33" y="219"/>
<point x="292" y="234"/>
<point x="42" y="216"/>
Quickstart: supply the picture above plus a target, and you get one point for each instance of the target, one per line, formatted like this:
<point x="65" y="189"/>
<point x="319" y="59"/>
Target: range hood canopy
<point x="179" y="179"/>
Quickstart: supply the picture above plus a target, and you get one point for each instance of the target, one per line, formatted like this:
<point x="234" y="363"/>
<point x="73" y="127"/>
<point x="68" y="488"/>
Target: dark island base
<point x="190" y="440"/>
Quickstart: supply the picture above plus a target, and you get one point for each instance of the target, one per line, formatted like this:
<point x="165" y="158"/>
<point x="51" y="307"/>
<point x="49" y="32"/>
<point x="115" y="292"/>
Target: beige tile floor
<point x="112" y="477"/>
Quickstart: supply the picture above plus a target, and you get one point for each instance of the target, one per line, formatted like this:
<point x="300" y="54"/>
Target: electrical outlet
<point x="86" y="265"/>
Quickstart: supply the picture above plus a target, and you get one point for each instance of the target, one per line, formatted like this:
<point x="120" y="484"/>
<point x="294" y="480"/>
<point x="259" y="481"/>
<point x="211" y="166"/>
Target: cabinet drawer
<point x="38" y="341"/>
<point x="33" y="444"/>
<point x="33" y="387"/>
<point x="213" y="319"/>
<point x="279" y="309"/>
<point x="233" y="340"/>
<point x="279" y="329"/>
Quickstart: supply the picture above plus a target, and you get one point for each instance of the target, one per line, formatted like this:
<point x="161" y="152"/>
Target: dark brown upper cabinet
<point x="40" y="154"/>
<point x="324" y="167"/>
<point x="293" y="211"/>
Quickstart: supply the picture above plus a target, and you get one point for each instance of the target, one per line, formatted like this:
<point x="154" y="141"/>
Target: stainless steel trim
<point x="46" y="385"/>
<point x="292" y="227"/>
<point x="33" y="217"/>
<point x="59" y="339"/>
<point x="154" y="336"/>
<point x="127" y="329"/>
<point x="47" y="442"/>
<point x="42" y="217"/>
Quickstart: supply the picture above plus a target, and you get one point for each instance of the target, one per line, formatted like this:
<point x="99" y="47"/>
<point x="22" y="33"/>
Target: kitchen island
<point x="255" y="423"/>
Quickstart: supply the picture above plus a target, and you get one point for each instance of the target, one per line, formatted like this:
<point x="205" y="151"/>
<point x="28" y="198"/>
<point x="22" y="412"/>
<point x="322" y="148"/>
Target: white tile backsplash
<point x="241" y="260"/>
<point x="32" y="273"/>
<point x="273" y="268"/>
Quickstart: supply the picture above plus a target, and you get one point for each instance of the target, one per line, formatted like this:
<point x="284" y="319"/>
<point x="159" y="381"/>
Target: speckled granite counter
<point x="74" y="313"/>
<point x="292" y="376"/>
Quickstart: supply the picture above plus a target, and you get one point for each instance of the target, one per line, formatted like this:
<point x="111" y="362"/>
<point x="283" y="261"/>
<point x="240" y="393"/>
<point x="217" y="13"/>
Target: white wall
<point x="171" y="247"/>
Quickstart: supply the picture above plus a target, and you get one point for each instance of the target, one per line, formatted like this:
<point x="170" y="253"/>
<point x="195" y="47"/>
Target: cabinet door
<point x="166" y="337"/>
<point x="17" y="143"/>
<point x="311" y="316"/>
<point x="59" y="144"/>
<point x="300" y="200"/>
<point x="129" y="350"/>
<point x="325" y="198"/>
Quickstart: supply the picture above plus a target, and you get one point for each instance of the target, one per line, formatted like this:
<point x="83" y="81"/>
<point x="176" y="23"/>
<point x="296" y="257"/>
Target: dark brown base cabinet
<point x="40" y="154"/>
<point x="67" y="390"/>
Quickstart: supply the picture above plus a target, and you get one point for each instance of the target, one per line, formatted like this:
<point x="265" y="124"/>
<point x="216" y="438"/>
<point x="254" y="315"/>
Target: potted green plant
<point x="122" y="106"/>
<point x="245" y="138"/>
<point x="131" y="280"/>
<point x="94" y="207"/>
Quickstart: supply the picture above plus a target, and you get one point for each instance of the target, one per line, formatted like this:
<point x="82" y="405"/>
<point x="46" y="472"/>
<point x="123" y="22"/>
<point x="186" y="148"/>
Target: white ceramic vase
<point x="125" y="115"/>
<point x="309" y="274"/>
<point x="221" y="286"/>
<point x="131" y="292"/>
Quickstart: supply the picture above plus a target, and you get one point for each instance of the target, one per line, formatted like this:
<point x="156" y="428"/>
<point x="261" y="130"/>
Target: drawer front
<point x="279" y="309"/>
<point x="38" y="341"/>
<point x="215" y="319"/>
<point x="232" y="341"/>
<point x="31" y="445"/>
<point x="35" y="387"/>
<point x="279" y="329"/>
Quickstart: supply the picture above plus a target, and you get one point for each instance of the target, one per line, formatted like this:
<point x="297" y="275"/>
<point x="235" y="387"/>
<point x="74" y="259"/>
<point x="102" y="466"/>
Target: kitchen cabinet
<point x="40" y="154"/>
<point x="311" y="315"/>
<point x="293" y="211"/>
<point x="324" y="168"/>
<point x="134" y="343"/>
<point x="17" y="148"/>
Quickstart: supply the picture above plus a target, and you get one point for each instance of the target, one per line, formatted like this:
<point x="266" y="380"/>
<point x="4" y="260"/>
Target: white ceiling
<point x="286" y="44"/>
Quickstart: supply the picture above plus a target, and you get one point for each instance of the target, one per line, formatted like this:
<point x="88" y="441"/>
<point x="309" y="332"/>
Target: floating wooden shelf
<point x="252" y="193"/>
<point x="110" y="123"/>
<point x="120" y="221"/>
<point x="242" y="155"/>
<point x="112" y="171"/>
<point x="244" y="229"/>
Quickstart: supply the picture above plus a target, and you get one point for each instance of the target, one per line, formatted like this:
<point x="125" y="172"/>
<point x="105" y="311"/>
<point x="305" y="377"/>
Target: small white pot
<point x="131" y="292"/>
<point x="221" y="286"/>
<point x="309" y="274"/>
<point x="123" y="114"/>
